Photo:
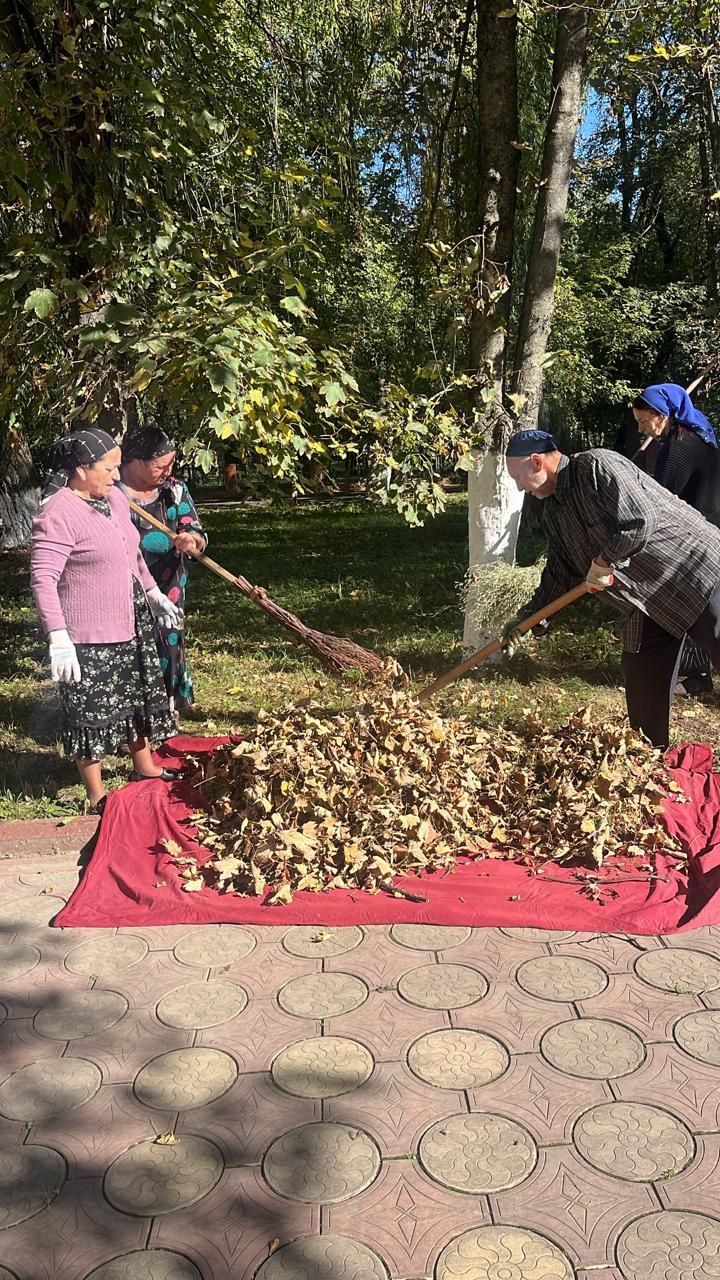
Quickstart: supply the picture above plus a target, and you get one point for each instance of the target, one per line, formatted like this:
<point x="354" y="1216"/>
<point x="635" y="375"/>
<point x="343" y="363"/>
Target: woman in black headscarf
<point x="148" y="456"/>
<point x="97" y="602"/>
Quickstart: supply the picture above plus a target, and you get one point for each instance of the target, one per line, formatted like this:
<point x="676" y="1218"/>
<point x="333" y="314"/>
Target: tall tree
<point x="538" y="297"/>
<point x="494" y="504"/>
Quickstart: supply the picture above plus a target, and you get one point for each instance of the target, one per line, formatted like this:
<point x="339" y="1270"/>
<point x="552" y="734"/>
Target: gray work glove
<point x="511" y="636"/>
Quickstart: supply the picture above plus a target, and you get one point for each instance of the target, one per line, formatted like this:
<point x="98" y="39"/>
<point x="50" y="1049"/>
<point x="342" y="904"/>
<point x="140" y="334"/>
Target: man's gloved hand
<point x="599" y="575"/>
<point x="163" y="610"/>
<point x="64" y="665"/>
<point x="511" y="636"/>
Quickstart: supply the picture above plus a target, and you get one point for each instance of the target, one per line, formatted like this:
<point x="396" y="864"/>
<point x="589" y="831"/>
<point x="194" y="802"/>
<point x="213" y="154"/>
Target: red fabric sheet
<point x="131" y="880"/>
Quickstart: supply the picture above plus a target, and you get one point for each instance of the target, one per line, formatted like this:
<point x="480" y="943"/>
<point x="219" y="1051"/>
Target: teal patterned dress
<point x="172" y="505"/>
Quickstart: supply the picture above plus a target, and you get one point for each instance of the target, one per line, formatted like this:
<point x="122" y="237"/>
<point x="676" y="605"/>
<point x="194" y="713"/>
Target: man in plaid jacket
<point x="655" y="558"/>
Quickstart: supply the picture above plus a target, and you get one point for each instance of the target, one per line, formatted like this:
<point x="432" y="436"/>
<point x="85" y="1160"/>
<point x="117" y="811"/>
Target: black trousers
<point x="651" y="674"/>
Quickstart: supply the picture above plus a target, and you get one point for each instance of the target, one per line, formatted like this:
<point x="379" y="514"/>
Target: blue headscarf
<point x="524" y="443"/>
<point x="673" y="401"/>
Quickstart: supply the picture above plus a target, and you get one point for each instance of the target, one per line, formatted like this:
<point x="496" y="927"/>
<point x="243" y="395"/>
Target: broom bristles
<point x="337" y="652"/>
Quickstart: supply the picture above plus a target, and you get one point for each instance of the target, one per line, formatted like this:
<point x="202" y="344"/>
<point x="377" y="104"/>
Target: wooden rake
<point x="495" y="646"/>
<point x="338" y="653"/>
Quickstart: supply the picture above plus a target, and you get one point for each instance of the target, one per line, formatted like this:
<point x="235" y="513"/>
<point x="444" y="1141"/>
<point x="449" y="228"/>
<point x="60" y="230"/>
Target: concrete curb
<point x="45" y="836"/>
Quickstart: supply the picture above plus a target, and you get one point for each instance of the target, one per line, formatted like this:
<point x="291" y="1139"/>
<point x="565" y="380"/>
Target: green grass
<point x="351" y="569"/>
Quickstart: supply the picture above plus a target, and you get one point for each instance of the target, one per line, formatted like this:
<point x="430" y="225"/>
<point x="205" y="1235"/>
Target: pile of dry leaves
<point x="317" y="801"/>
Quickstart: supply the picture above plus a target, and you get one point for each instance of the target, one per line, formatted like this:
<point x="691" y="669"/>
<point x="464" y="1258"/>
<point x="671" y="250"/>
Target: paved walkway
<point x="305" y="1104"/>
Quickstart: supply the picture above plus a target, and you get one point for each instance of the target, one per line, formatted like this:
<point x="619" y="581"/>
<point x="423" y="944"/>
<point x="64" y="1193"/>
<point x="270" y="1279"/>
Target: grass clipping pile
<point x="314" y="801"/>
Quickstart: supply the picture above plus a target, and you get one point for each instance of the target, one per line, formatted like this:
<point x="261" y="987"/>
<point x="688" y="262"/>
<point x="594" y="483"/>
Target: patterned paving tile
<point x="267" y="970"/>
<point x="322" y="995"/>
<point x="57" y="881"/>
<point x="214" y="945"/>
<point x="443" y="986"/>
<point x="650" y="1013"/>
<point x="122" y="1051"/>
<point x="581" y="1209"/>
<point x="321" y="1163"/>
<point x="593" y="1048"/>
<point x="515" y="1017"/>
<point x="378" y="960"/>
<point x="79" y="1231"/>
<point x="51" y="1087"/>
<point x="235" y="1228"/>
<point x="407" y="1218"/>
<point x="679" y="970"/>
<point x="105" y="953"/>
<point x="145" y="984"/>
<point x="101" y="1129"/>
<point x="612" y="951"/>
<point x="698" y="1186"/>
<point x="670" y="1244"/>
<point x="26" y="995"/>
<point x="428" y="937"/>
<point x="506" y="1251"/>
<point x="388" y="1025"/>
<point x="395" y="1107"/>
<point x="494" y="954"/>
<point x="706" y="939"/>
<point x="259" y="1033"/>
<point x="28" y="912"/>
<point x="248" y="1118"/>
<point x="153" y="1178"/>
<point x="535" y="1094"/>
<point x="685" y="1087"/>
<point x="322" y="1067"/>
<point x="699" y="1035"/>
<point x="478" y="1152"/>
<point x="634" y="1141"/>
<point x="315" y="944"/>
<point x="458" y="1059"/>
<point x="20" y="1044"/>
<point x="162" y="938"/>
<point x="328" y="1255"/>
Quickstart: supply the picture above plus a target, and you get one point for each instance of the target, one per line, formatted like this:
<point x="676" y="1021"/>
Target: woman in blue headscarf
<point x="681" y="453"/>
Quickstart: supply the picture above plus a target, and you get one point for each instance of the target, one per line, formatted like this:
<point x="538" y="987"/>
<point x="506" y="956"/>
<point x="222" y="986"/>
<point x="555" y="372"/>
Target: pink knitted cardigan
<point x="82" y="565"/>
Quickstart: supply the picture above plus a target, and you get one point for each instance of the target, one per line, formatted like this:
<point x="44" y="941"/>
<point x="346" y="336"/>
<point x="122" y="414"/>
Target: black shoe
<point x="695" y="685"/>
<point x="167" y="775"/>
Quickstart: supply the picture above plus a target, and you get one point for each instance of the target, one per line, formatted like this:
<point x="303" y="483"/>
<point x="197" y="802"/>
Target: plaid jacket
<point x="665" y="555"/>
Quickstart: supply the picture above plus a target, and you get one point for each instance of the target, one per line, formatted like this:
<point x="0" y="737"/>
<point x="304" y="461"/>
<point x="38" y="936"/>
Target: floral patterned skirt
<point x="121" y="696"/>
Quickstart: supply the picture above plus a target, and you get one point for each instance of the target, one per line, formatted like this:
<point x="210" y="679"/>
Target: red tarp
<point x="131" y="880"/>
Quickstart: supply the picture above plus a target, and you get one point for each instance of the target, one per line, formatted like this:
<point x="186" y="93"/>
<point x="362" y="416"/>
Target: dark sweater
<point x="687" y="467"/>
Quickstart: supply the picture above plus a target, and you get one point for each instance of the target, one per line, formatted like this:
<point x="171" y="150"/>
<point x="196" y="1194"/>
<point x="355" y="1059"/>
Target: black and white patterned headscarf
<point x="146" y="443"/>
<point x="80" y="449"/>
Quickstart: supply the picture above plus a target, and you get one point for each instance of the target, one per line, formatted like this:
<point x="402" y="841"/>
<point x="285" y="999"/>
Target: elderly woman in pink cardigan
<point x="97" y="599"/>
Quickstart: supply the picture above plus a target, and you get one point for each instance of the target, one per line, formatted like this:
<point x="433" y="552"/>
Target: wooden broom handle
<point x="496" y="645"/>
<point x="197" y="555"/>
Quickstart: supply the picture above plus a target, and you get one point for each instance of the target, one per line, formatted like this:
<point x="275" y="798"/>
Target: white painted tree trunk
<point x="494" y="510"/>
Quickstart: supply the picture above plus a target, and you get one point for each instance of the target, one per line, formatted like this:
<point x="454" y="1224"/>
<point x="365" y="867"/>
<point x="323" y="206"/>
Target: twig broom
<point x="337" y="652"/>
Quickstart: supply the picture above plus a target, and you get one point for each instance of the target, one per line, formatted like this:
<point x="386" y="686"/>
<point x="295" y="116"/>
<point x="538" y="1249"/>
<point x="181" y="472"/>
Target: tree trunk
<point x="494" y="504"/>
<point x="498" y="160"/>
<point x="710" y="178"/>
<point x="560" y="134"/>
<point x="18" y="491"/>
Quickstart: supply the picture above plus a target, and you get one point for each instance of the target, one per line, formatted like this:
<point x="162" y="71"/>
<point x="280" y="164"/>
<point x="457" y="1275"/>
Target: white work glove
<point x="64" y="665"/>
<point x="163" y="610"/>
<point x="599" y="576"/>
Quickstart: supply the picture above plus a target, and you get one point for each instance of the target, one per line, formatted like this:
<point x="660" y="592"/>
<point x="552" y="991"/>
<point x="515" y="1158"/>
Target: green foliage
<point x="259" y="223"/>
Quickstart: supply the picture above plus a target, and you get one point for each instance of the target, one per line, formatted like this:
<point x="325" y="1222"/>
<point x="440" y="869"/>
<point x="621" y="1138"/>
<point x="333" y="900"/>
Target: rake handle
<point x="237" y="580"/>
<point x="496" y="645"/>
